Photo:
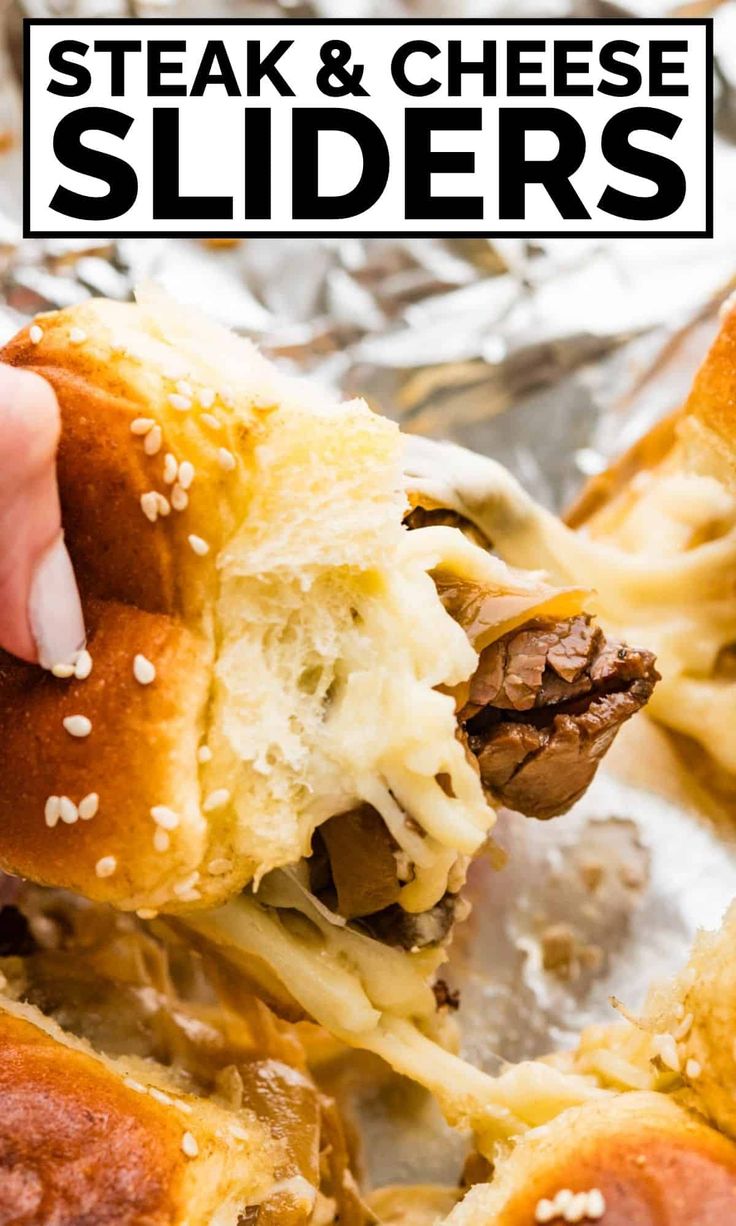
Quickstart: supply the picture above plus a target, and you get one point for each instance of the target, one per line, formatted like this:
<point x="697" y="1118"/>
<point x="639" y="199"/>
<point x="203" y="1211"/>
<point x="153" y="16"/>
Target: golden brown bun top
<point x="652" y="1162"/>
<point x="79" y="1144"/>
<point x="712" y="399"/>
<point x="711" y="402"/>
<point x="145" y="591"/>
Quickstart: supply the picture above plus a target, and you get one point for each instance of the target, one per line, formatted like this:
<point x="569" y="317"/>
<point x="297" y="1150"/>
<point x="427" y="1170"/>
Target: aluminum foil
<point x="551" y="356"/>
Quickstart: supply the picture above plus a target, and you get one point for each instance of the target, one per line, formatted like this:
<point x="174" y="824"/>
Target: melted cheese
<point x="376" y="998"/>
<point x="661" y="558"/>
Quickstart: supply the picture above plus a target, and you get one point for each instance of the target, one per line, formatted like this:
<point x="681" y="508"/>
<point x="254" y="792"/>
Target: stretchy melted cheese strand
<point x="368" y="1008"/>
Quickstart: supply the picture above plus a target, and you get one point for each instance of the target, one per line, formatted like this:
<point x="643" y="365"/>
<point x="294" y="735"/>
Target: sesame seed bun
<point x="266" y="645"/>
<point x="645" y="1160"/>
<point x="174" y="434"/>
<point x="80" y="1141"/>
<point x="145" y="591"/>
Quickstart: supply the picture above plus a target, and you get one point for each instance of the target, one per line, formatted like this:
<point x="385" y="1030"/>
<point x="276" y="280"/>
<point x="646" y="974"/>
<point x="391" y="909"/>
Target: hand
<point x="40" y="611"/>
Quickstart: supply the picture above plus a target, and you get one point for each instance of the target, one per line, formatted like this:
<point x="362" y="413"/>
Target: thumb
<point x="40" y="611"/>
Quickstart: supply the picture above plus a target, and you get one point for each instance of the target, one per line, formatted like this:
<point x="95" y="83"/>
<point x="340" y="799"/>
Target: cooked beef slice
<point x="362" y="862"/>
<point x="545" y="704"/>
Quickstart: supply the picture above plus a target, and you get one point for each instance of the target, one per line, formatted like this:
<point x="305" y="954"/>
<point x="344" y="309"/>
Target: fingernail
<point x="54" y="608"/>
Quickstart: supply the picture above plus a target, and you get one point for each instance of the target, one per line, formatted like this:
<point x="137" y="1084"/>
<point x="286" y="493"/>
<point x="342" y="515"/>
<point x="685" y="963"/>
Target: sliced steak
<point x="543" y="707"/>
<point x="402" y="929"/>
<point x="362" y="862"/>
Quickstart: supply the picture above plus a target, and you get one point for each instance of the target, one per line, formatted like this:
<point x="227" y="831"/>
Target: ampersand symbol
<point x="335" y="57"/>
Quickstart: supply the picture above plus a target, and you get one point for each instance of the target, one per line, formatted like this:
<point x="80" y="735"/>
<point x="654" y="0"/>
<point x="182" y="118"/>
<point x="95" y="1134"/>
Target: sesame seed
<point x="106" y="866"/>
<point x="171" y="468"/>
<point x="153" y="440"/>
<point x="666" y="1048"/>
<point x="693" y="1070"/>
<point x="226" y="459"/>
<point x="77" y="725"/>
<point x="135" y="1085"/>
<point x="143" y="670"/>
<point x="35" y="333"/>
<point x="186" y="474"/>
<point x="149" y="505"/>
<point x="198" y="545"/>
<point x="545" y="1211"/>
<point x="77" y="336"/>
<point x="183" y="887"/>
<point x="189" y="896"/>
<point x="596" y="1204"/>
<point x="166" y="818"/>
<point x="163" y="504"/>
<point x="141" y="425"/>
<point x="88" y="806"/>
<point x="576" y="1208"/>
<point x="204" y="753"/>
<point x="184" y="388"/>
<point x="182" y="1106"/>
<point x="211" y="421"/>
<point x="179" y="498"/>
<point x="189" y="1145"/>
<point x="63" y="670"/>
<point x="52" y="811"/>
<point x="216" y="800"/>
<point x="161" y="841"/>
<point x="218" y="867"/>
<point x="146" y="913"/>
<point x="160" y="1097"/>
<point x="83" y="666"/>
<point x="177" y="401"/>
<point x="240" y="1134"/>
<point x="206" y="397"/>
<point x="68" y="811"/>
<point x="684" y="1028"/>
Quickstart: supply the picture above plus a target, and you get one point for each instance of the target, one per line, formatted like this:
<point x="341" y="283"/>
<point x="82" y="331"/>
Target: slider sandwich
<point x="133" y="1093"/>
<point x="660" y="1146"/>
<point x="655" y="537"/>
<point x="302" y="694"/>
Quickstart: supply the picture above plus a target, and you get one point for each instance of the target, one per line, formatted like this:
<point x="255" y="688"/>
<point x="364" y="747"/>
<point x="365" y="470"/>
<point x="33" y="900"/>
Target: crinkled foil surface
<point x="552" y="356"/>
